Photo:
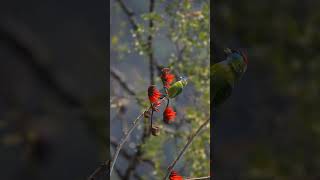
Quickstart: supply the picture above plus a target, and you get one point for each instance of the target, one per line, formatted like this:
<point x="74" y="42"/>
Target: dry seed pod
<point x="155" y="130"/>
<point x="146" y="114"/>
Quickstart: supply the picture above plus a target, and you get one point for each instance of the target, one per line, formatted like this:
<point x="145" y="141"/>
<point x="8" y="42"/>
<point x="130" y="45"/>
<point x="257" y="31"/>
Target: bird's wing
<point x="221" y="83"/>
<point x="221" y="93"/>
<point x="174" y="90"/>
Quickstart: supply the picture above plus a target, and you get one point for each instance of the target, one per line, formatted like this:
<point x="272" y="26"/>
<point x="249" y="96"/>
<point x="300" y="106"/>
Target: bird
<point x="176" y="88"/>
<point x="225" y="74"/>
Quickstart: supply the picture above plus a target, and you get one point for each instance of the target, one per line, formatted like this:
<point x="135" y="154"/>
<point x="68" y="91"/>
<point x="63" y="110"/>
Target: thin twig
<point x="128" y="156"/>
<point x="124" y="153"/>
<point x="151" y="119"/>
<point x="123" y="140"/>
<point x="135" y="160"/>
<point x="185" y="148"/>
<point x="103" y="167"/>
<point x="198" y="178"/>
<point x="151" y="68"/>
<point x="131" y="19"/>
<point x="132" y="165"/>
<point x="168" y="102"/>
<point x="125" y="85"/>
<point x="130" y="14"/>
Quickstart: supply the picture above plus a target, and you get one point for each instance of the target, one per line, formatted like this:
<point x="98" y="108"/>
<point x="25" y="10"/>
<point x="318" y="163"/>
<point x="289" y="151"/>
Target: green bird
<point x="225" y="74"/>
<point x="176" y="88"/>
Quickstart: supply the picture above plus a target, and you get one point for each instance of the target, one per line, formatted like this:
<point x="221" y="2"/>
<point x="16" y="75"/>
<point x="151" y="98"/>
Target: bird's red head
<point x="244" y="55"/>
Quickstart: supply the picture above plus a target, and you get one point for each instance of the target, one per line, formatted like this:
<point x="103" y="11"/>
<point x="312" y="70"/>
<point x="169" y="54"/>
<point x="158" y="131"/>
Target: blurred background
<point x="53" y="89"/>
<point x="180" y="39"/>
<point x="269" y="128"/>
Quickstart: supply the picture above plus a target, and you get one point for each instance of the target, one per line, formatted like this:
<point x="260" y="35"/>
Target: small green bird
<point x="226" y="73"/>
<point x="176" y="88"/>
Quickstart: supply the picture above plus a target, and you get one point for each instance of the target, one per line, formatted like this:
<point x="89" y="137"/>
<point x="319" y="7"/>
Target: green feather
<point x="176" y="88"/>
<point x="222" y="82"/>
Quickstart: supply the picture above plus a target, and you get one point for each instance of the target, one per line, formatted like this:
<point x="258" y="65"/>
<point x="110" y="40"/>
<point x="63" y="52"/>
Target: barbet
<point x="225" y="74"/>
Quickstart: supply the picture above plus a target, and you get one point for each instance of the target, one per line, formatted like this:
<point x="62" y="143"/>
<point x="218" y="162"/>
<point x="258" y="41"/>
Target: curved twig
<point x="103" y="167"/>
<point x="185" y="148"/>
<point x="115" y="74"/>
<point x="198" y="178"/>
<point x="123" y="140"/>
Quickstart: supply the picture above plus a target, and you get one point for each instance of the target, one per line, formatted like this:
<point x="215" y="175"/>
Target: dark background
<point x="53" y="88"/>
<point x="269" y="127"/>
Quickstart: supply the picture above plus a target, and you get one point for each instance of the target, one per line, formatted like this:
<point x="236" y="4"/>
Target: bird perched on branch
<point x="226" y="73"/>
<point x="176" y="88"/>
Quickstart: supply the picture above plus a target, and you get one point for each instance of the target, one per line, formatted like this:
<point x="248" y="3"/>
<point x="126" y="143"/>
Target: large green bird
<point x="176" y="88"/>
<point x="225" y="74"/>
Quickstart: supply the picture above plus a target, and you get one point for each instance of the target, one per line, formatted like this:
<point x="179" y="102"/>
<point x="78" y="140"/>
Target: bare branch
<point x="123" y="140"/>
<point x="132" y="20"/>
<point x="198" y="178"/>
<point x="102" y="168"/>
<point x="185" y="148"/>
<point x="150" y="41"/>
<point x="128" y="156"/>
<point x="124" y="85"/>
<point x="130" y="14"/>
<point x="124" y="153"/>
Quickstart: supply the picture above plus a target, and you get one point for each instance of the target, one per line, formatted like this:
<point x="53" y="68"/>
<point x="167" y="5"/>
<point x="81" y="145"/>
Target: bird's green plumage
<point x="224" y="75"/>
<point x="176" y="88"/>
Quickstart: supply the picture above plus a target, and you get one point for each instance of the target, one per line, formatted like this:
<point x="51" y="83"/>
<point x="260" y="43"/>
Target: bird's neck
<point x="237" y="66"/>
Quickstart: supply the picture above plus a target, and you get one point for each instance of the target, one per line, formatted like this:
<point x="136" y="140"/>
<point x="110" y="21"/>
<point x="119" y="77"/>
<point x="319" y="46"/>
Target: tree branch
<point x="124" y="153"/>
<point x="135" y="160"/>
<point x="128" y="156"/>
<point x="102" y="168"/>
<point x="124" y="85"/>
<point x="123" y="140"/>
<point x="185" y="148"/>
<point x="132" y="165"/>
<point x="130" y="14"/>
<point x="132" y="20"/>
<point x="150" y="41"/>
<point x="198" y="178"/>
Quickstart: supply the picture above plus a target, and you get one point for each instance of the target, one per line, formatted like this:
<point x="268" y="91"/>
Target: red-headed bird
<point x="226" y="73"/>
